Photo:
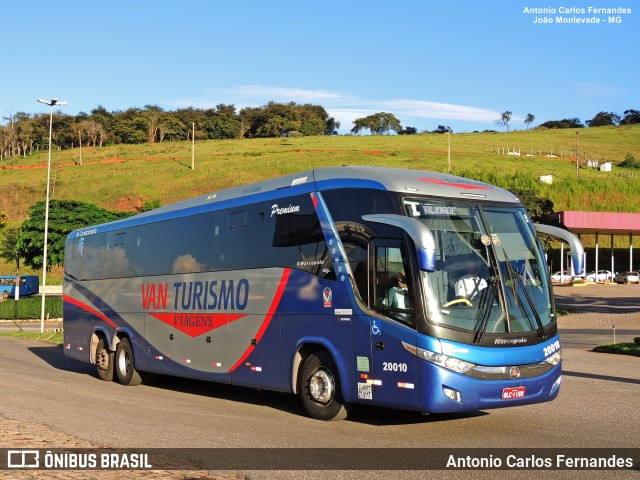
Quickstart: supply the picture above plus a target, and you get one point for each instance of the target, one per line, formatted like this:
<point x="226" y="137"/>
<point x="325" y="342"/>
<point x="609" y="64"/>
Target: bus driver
<point x="470" y="284"/>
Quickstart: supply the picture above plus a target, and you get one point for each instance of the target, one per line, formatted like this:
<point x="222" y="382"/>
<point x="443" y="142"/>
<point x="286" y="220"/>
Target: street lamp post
<point x="52" y="103"/>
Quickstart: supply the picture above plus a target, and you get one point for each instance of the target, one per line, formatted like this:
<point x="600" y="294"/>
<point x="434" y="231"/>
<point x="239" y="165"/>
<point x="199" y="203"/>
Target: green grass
<point x="46" y="337"/>
<point x="123" y="177"/>
<point x="621" y="348"/>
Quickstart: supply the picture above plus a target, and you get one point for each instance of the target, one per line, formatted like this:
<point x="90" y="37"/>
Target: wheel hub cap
<point x="321" y="386"/>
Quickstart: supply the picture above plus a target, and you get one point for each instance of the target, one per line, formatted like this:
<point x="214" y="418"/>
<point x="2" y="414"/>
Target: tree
<point x="538" y="207"/>
<point x="223" y="122"/>
<point x="282" y="120"/>
<point x="505" y="118"/>
<point x="529" y="120"/>
<point x="153" y="114"/>
<point x="277" y="120"/>
<point x="566" y="123"/>
<point x="92" y="131"/>
<point x="630" y="117"/>
<point x="170" y="128"/>
<point x="604" y="119"/>
<point x="408" y="131"/>
<point x="331" y="126"/>
<point x="442" y="129"/>
<point x="64" y="217"/>
<point x="378" y="123"/>
<point x="9" y="247"/>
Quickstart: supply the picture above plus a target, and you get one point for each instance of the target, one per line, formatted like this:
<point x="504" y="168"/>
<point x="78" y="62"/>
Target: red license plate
<point x="512" y="393"/>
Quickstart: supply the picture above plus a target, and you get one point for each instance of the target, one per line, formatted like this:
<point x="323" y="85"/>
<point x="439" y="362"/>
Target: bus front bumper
<point x="445" y="391"/>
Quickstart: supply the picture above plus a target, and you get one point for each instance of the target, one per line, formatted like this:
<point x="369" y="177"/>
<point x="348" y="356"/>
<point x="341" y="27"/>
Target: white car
<point x="627" y="277"/>
<point x="558" y="277"/>
<point x="601" y="276"/>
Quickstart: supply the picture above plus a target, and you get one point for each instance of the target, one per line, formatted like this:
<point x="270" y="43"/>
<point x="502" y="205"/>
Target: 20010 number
<point x="550" y="349"/>
<point x="394" y="367"/>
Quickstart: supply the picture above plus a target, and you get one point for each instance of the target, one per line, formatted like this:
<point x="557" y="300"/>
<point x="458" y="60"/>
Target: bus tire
<point x="125" y="365"/>
<point x="320" y="388"/>
<point x="104" y="361"/>
<point x="5" y="294"/>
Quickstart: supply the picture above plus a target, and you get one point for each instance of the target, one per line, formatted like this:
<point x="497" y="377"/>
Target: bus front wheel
<point x="125" y="365"/>
<point x="104" y="361"/>
<point x="320" y="388"/>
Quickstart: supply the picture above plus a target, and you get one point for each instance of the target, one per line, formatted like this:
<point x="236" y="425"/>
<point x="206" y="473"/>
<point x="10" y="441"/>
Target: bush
<point x="150" y="205"/>
<point x="30" y="308"/>
<point x="630" y="162"/>
<point x="636" y="340"/>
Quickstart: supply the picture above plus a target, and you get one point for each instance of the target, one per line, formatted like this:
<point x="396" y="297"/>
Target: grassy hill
<point x="123" y="177"/>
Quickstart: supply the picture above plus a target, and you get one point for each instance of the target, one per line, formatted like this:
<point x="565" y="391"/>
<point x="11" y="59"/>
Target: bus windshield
<point x="490" y="277"/>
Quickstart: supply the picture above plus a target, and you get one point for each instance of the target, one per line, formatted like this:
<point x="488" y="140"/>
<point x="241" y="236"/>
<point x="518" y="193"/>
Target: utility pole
<point x="449" y="153"/>
<point x="193" y="145"/>
<point x="577" y="159"/>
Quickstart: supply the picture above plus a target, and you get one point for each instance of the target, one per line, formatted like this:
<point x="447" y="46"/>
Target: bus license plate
<point x="511" y="393"/>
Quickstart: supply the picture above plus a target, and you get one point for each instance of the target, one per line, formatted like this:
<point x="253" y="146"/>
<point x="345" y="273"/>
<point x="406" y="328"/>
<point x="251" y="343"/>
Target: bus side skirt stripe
<point x="89" y="309"/>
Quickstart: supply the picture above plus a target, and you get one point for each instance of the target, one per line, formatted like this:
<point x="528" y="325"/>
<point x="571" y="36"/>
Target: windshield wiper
<point x="484" y="308"/>
<point x="515" y="277"/>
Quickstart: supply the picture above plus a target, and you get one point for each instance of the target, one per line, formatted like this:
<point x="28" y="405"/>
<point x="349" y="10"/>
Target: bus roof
<point x="418" y="182"/>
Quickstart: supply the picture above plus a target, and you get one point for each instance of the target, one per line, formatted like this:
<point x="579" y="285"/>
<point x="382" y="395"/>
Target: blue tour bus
<point x="29" y="285"/>
<point x="400" y="288"/>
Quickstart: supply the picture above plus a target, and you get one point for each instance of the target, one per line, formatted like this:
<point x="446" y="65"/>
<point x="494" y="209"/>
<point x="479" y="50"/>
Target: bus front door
<point x="395" y="370"/>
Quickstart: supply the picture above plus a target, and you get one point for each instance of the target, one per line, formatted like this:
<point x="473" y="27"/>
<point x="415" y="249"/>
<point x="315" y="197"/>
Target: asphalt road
<point x="597" y="408"/>
<point x="28" y="326"/>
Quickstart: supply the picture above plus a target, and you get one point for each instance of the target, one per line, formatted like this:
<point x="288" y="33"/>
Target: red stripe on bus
<point x="89" y="309"/>
<point x="267" y="318"/>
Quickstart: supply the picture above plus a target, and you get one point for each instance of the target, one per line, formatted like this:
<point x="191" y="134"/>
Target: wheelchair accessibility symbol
<point x="375" y="329"/>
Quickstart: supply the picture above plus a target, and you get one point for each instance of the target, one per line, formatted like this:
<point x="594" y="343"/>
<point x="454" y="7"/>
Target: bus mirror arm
<point x="418" y="232"/>
<point x="575" y="245"/>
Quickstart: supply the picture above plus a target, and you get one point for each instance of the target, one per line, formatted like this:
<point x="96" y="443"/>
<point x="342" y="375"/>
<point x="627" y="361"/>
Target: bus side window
<point x="293" y="237"/>
<point x="358" y="257"/>
<point x="191" y="246"/>
<point x="392" y="293"/>
<point x="116" y="262"/>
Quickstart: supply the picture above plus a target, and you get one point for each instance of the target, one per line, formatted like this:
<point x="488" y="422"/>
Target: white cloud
<point x="436" y="110"/>
<point x="345" y="108"/>
<point x="596" y="89"/>
<point x="346" y="116"/>
<point x="299" y="95"/>
<point x="256" y="95"/>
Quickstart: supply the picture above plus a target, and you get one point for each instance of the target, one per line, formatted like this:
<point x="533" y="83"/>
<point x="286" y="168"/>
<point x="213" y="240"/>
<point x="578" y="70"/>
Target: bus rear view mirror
<point x="575" y="245"/>
<point x="417" y="231"/>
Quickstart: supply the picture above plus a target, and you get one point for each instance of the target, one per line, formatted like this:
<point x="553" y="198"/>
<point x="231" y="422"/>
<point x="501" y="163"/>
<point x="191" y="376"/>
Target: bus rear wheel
<point x="104" y="361"/>
<point x="124" y="364"/>
<point x="320" y="388"/>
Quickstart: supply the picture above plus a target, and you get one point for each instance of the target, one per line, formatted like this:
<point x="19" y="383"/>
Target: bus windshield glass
<point x="490" y="277"/>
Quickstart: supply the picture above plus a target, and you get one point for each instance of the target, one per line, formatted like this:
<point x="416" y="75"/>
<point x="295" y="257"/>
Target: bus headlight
<point x="553" y="359"/>
<point x="450" y="363"/>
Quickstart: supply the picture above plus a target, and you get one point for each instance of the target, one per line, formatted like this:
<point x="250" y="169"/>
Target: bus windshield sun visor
<point x="575" y="245"/>
<point x="419" y="233"/>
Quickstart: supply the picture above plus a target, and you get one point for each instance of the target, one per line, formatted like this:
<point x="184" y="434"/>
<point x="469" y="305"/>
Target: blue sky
<point x="458" y="63"/>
